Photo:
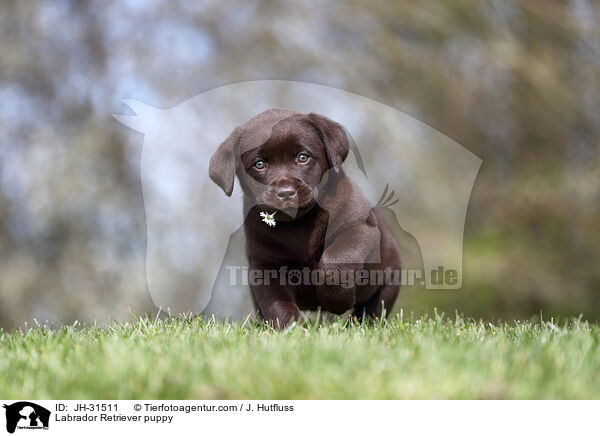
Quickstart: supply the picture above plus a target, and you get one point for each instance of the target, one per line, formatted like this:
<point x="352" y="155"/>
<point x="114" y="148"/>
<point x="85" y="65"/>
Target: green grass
<point x="191" y="358"/>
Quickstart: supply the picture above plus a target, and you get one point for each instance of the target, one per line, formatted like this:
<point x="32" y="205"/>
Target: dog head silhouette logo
<point x="26" y="415"/>
<point x="187" y="214"/>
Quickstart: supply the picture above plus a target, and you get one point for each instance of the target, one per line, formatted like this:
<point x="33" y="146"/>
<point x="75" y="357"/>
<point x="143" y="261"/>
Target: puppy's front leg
<point x="276" y="304"/>
<point x="348" y="252"/>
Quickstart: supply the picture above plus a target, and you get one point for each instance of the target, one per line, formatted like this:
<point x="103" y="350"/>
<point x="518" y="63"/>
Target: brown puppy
<point x="290" y="163"/>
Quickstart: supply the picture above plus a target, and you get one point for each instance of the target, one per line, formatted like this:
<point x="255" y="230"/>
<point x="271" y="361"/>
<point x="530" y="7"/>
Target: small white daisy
<point x="268" y="218"/>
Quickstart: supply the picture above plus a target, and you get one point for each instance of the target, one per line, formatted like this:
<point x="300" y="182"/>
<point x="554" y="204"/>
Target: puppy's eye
<point x="303" y="157"/>
<point x="260" y="165"/>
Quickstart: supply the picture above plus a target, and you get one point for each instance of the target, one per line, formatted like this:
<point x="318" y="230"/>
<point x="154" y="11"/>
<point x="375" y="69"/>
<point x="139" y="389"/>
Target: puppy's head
<point x="280" y="158"/>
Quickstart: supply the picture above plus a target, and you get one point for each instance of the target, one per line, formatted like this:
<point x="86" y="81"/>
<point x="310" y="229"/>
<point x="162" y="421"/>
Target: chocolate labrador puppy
<point x="312" y="238"/>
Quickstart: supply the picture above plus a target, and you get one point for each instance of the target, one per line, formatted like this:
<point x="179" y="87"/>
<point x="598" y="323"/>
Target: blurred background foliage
<point x="515" y="82"/>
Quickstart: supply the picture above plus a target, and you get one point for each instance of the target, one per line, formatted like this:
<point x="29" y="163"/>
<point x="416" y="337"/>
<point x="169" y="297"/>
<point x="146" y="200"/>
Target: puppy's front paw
<point x="338" y="294"/>
<point x="281" y="313"/>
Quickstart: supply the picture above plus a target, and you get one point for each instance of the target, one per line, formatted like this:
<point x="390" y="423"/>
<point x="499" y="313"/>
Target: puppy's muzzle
<point x="287" y="193"/>
<point x="284" y="197"/>
<point x="288" y="198"/>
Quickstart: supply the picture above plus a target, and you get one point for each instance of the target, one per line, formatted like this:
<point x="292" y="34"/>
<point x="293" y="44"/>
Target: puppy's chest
<point x="298" y="242"/>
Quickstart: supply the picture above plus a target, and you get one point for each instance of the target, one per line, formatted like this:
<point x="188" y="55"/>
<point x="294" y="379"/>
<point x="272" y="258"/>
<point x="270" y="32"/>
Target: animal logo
<point x="194" y="235"/>
<point x="26" y="415"/>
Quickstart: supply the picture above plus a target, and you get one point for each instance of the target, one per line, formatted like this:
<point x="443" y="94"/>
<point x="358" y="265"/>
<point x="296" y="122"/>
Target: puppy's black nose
<point x="286" y="193"/>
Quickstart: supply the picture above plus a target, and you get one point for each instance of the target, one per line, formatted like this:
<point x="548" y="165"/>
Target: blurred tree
<point x="516" y="82"/>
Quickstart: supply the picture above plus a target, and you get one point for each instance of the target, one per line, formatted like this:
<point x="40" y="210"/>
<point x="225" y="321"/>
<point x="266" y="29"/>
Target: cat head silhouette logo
<point x="26" y="415"/>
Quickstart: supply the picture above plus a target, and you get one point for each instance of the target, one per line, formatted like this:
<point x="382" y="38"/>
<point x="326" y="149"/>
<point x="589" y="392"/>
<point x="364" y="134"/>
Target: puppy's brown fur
<point x="323" y="220"/>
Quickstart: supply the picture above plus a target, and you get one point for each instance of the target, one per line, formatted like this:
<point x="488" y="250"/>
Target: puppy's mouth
<point x="287" y="210"/>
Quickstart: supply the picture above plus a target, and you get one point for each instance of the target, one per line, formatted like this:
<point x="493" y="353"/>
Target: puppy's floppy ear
<point x="221" y="168"/>
<point x="334" y="138"/>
